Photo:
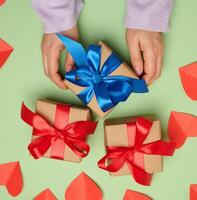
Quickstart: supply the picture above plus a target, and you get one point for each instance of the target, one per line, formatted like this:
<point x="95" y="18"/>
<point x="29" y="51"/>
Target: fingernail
<point x="138" y="70"/>
<point x="68" y="68"/>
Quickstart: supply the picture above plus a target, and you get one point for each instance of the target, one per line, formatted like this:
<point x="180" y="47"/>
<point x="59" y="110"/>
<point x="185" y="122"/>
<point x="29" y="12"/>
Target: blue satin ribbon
<point x="109" y="90"/>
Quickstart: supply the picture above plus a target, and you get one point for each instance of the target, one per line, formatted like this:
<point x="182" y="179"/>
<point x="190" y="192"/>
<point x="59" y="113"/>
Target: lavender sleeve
<point x="58" y="15"/>
<point x="150" y="15"/>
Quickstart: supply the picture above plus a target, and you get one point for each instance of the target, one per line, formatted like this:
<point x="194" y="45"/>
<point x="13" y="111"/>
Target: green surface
<point x="22" y="79"/>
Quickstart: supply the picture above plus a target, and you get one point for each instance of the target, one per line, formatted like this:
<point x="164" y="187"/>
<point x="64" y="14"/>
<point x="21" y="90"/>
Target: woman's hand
<point x="51" y="50"/>
<point x="146" y="53"/>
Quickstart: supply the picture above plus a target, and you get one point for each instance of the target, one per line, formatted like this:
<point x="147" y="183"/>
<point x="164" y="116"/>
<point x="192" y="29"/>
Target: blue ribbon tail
<point x="118" y="90"/>
<point x="75" y="49"/>
<point x="86" y="95"/>
<point x="139" y="86"/>
<point x="120" y="87"/>
<point x="104" y="100"/>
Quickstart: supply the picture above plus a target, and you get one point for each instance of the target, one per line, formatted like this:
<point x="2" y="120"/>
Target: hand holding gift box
<point x="59" y="130"/>
<point x="134" y="146"/>
<point x="101" y="80"/>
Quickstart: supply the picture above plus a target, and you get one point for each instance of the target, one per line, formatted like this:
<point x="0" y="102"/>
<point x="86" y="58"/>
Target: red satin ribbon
<point x="73" y="135"/>
<point x="133" y="155"/>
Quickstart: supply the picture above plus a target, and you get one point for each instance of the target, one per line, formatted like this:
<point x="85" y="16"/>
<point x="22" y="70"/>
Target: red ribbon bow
<point x="134" y="155"/>
<point x="73" y="135"/>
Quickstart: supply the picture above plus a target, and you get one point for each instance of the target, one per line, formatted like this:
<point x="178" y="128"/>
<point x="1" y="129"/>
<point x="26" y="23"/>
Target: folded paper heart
<point x="193" y="191"/>
<point x="5" y="51"/>
<point x="188" y="76"/>
<point x="11" y="178"/>
<point x="133" y="195"/>
<point x="180" y="127"/>
<point x="46" y="195"/>
<point x="83" y="188"/>
<point x="2" y="2"/>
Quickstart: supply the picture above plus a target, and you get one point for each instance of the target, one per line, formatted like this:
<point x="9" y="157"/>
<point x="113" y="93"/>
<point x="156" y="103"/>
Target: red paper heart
<point x="11" y="178"/>
<point x="83" y="188"/>
<point x="133" y="195"/>
<point x="5" y="51"/>
<point x="2" y="2"/>
<point x="188" y="75"/>
<point x="180" y="127"/>
<point x="193" y="192"/>
<point x="46" y="195"/>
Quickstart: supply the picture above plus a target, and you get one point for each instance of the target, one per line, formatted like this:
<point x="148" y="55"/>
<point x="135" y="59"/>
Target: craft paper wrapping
<point x="116" y="135"/>
<point x="134" y="146"/>
<point x="59" y="130"/>
<point x="47" y="109"/>
<point x="111" y="80"/>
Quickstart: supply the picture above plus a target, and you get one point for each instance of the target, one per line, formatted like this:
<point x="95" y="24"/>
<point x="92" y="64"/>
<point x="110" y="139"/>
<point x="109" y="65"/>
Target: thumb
<point x="136" y="58"/>
<point x="69" y="62"/>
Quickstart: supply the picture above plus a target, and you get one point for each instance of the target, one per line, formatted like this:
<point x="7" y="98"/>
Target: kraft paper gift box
<point x="116" y="135"/>
<point x="48" y="110"/>
<point x="105" y="54"/>
<point x="123" y="70"/>
<point x="134" y="147"/>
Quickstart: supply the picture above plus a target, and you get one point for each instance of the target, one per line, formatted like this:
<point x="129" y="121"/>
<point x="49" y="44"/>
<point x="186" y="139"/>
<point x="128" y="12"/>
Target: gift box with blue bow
<point x="101" y="80"/>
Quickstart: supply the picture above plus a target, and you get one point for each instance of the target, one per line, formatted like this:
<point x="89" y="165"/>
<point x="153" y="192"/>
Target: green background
<point x="22" y="79"/>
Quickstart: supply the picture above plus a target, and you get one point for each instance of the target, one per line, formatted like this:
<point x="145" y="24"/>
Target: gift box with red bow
<point x="134" y="146"/>
<point x="59" y="130"/>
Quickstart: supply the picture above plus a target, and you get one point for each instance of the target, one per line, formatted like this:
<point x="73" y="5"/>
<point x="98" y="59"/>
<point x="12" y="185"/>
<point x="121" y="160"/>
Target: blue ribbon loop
<point x="109" y="90"/>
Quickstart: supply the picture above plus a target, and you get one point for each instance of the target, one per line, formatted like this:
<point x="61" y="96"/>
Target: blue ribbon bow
<point x="109" y="90"/>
